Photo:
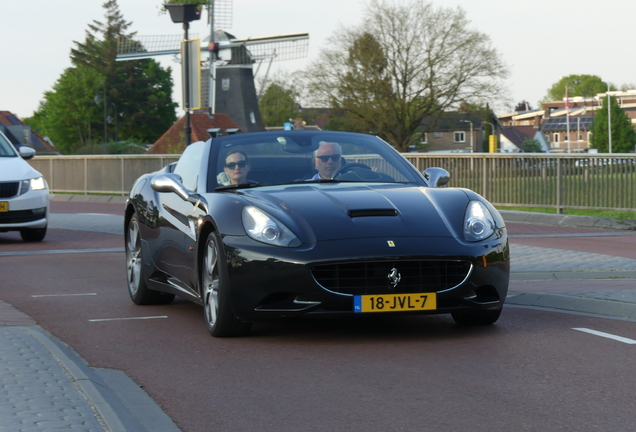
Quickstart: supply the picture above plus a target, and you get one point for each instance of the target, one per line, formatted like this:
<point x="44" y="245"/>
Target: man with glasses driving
<point x="237" y="165"/>
<point x="328" y="158"/>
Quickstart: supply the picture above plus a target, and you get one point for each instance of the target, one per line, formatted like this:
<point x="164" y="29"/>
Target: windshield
<point x="274" y="158"/>
<point x="6" y="148"/>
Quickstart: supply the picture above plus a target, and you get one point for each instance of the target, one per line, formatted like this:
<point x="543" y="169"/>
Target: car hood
<point x="340" y="211"/>
<point x="16" y="169"/>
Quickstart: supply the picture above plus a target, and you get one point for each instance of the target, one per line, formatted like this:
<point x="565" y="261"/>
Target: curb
<point x="573" y="275"/>
<point x="107" y="199"/>
<point x="106" y="401"/>
<point x="574" y="304"/>
<point x="567" y="220"/>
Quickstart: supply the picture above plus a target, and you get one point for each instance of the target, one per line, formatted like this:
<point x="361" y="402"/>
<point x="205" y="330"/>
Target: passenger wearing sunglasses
<point x="237" y="165"/>
<point x="328" y="158"/>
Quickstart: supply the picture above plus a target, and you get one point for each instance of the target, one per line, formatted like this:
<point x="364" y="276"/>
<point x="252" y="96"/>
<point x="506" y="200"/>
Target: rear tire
<point x="33" y="234"/>
<point x="217" y="308"/>
<point x="476" y="317"/>
<point x="137" y="286"/>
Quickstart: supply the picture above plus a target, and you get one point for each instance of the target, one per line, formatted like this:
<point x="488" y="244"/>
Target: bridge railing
<point x="560" y="181"/>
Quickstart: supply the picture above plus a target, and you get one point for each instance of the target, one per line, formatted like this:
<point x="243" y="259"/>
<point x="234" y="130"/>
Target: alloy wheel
<point x="211" y="283"/>
<point x="133" y="257"/>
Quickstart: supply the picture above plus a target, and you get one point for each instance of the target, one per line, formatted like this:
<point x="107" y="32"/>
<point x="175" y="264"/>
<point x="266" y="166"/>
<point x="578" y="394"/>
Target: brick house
<point x="203" y="127"/>
<point x="21" y="134"/>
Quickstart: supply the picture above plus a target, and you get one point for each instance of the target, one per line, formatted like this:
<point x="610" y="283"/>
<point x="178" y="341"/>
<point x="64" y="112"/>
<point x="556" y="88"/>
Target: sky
<point x="540" y="41"/>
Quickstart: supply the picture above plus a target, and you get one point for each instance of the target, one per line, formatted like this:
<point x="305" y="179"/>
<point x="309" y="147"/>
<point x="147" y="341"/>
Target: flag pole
<point x="567" y="115"/>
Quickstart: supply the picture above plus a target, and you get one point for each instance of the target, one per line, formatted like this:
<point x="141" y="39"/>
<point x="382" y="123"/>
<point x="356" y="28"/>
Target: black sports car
<point x="276" y="224"/>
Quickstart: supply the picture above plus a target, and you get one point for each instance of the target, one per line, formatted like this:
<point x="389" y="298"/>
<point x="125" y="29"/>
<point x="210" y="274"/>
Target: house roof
<point x="560" y="124"/>
<point x="452" y="121"/>
<point x="518" y="134"/>
<point x="13" y="128"/>
<point x="172" y="142"/>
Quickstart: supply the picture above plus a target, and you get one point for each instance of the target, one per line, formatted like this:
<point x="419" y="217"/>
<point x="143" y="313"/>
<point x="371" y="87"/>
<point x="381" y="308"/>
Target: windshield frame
<point x="303" y="144"/>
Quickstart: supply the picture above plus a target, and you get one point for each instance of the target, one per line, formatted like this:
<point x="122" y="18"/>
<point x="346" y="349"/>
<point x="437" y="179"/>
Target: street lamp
<point x="111" y="119"/>
<point x="97" y="100"/>
<point x="493" y="130"/>
<point x="472" y="149"/>
<point x="184" y="13"/>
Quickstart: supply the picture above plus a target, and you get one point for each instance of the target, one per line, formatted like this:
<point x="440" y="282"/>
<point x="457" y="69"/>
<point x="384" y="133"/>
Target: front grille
<point x="373" y="277"/>
<point x="20" y="216"/>
<point x="9" y="189"/>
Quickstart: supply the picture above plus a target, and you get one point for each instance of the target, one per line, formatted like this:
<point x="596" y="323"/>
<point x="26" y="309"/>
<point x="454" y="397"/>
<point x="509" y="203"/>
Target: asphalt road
<point x="531" y="371"/>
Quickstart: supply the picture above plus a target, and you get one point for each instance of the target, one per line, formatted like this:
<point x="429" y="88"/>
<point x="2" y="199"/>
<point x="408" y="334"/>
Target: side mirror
<point x="436" y="177"/>
<point x="26" y="152"/>
<point x="170" y="183"/>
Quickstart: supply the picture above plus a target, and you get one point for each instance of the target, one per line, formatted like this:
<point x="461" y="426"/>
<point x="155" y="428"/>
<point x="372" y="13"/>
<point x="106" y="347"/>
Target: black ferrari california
<point x="280" y="224"/>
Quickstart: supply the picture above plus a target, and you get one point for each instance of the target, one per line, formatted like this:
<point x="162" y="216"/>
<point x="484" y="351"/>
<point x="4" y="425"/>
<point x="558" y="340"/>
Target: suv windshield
<point x="6" y="148"/>
<point x="273" y="158"/>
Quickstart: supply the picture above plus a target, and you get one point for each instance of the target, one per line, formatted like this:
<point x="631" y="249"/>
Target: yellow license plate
<point x="4" y="206"/>
<point x="395" y="302"/>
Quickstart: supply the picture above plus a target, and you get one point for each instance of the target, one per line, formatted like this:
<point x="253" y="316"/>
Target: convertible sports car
<point x="277" y="224"/>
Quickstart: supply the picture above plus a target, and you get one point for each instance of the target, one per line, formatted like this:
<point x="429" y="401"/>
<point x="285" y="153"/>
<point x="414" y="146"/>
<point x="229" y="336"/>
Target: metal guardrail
<point x="560" y="181"/>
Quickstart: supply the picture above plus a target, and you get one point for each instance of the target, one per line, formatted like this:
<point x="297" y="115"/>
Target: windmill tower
<point x="228" y="74"/>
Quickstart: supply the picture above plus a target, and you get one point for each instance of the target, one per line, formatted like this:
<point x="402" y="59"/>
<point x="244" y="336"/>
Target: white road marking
<point x="61" y="251"/>
<point x="607" y="335"/>
<point x="123" y="319"/>
<point x="63" y="295"/>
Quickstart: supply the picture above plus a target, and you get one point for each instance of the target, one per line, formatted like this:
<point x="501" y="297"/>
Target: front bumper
<point x="30" y="210"/>
<point x="267" y="282"/>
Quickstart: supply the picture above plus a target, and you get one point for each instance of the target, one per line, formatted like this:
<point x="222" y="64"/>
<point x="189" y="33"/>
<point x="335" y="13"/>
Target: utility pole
<point x="472" y="149"/>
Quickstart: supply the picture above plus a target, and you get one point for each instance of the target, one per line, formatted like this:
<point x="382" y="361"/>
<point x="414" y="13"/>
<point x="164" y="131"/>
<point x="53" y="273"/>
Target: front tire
<point x="476" y="317"/>
<point x="219" y="317"/>
<point x="137" y="286"/>
<point x="33" y="234"/>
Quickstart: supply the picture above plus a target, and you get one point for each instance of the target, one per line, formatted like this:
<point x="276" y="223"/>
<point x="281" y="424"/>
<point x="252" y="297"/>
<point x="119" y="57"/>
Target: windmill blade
<point x="140" y="47"/>
<point x="276" y="48"/>
<point x="222" y="13"/>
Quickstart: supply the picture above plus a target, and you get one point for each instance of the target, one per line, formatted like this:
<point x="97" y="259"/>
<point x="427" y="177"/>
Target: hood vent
<point x="372" y="212"/>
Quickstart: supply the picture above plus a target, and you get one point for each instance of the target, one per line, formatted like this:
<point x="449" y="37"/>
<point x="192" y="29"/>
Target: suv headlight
<point x="478" y="222"/>
<point x="32" y="184"/>
<point x="38" y="183"/>
<point x="266" y="229"/>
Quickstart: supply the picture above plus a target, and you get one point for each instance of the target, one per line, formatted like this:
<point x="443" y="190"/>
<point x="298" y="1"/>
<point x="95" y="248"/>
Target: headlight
<point x="33" y="184"/>
<point x="264" y="228"/>
<point x="478" y="222"/>
<point x="38" y="183"/>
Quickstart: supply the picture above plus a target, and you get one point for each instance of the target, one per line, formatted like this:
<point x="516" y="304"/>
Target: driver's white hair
<point x="323" y="143"/>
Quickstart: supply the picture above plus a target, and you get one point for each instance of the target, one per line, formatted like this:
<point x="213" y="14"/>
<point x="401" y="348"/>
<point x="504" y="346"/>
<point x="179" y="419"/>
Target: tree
<point x="623" y="135"/>
<point x="138" y="92"/>
<point x="277" y="105"/>
<point x="523" y="106"/>
<point x="577" y="85"/>
<point x="408" y="61"/>
<point x="280" y="101"/>
<point x="532" y="146"/>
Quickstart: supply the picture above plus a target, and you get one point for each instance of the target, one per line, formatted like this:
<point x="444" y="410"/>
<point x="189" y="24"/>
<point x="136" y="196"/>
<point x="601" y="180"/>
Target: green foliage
<point x="131" y="146"/>
<point x="136" y="94"/>
<point x="577" y="85"/>
<point x="403" y="71"/>
<point x="277" y="105"/>
<point x="623" y="135"/>
<point x="200" y="3"/>
<point x="532" y="146"/>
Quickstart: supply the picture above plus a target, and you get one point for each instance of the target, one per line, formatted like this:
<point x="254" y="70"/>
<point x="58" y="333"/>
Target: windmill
<point x="228" y="75"/>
